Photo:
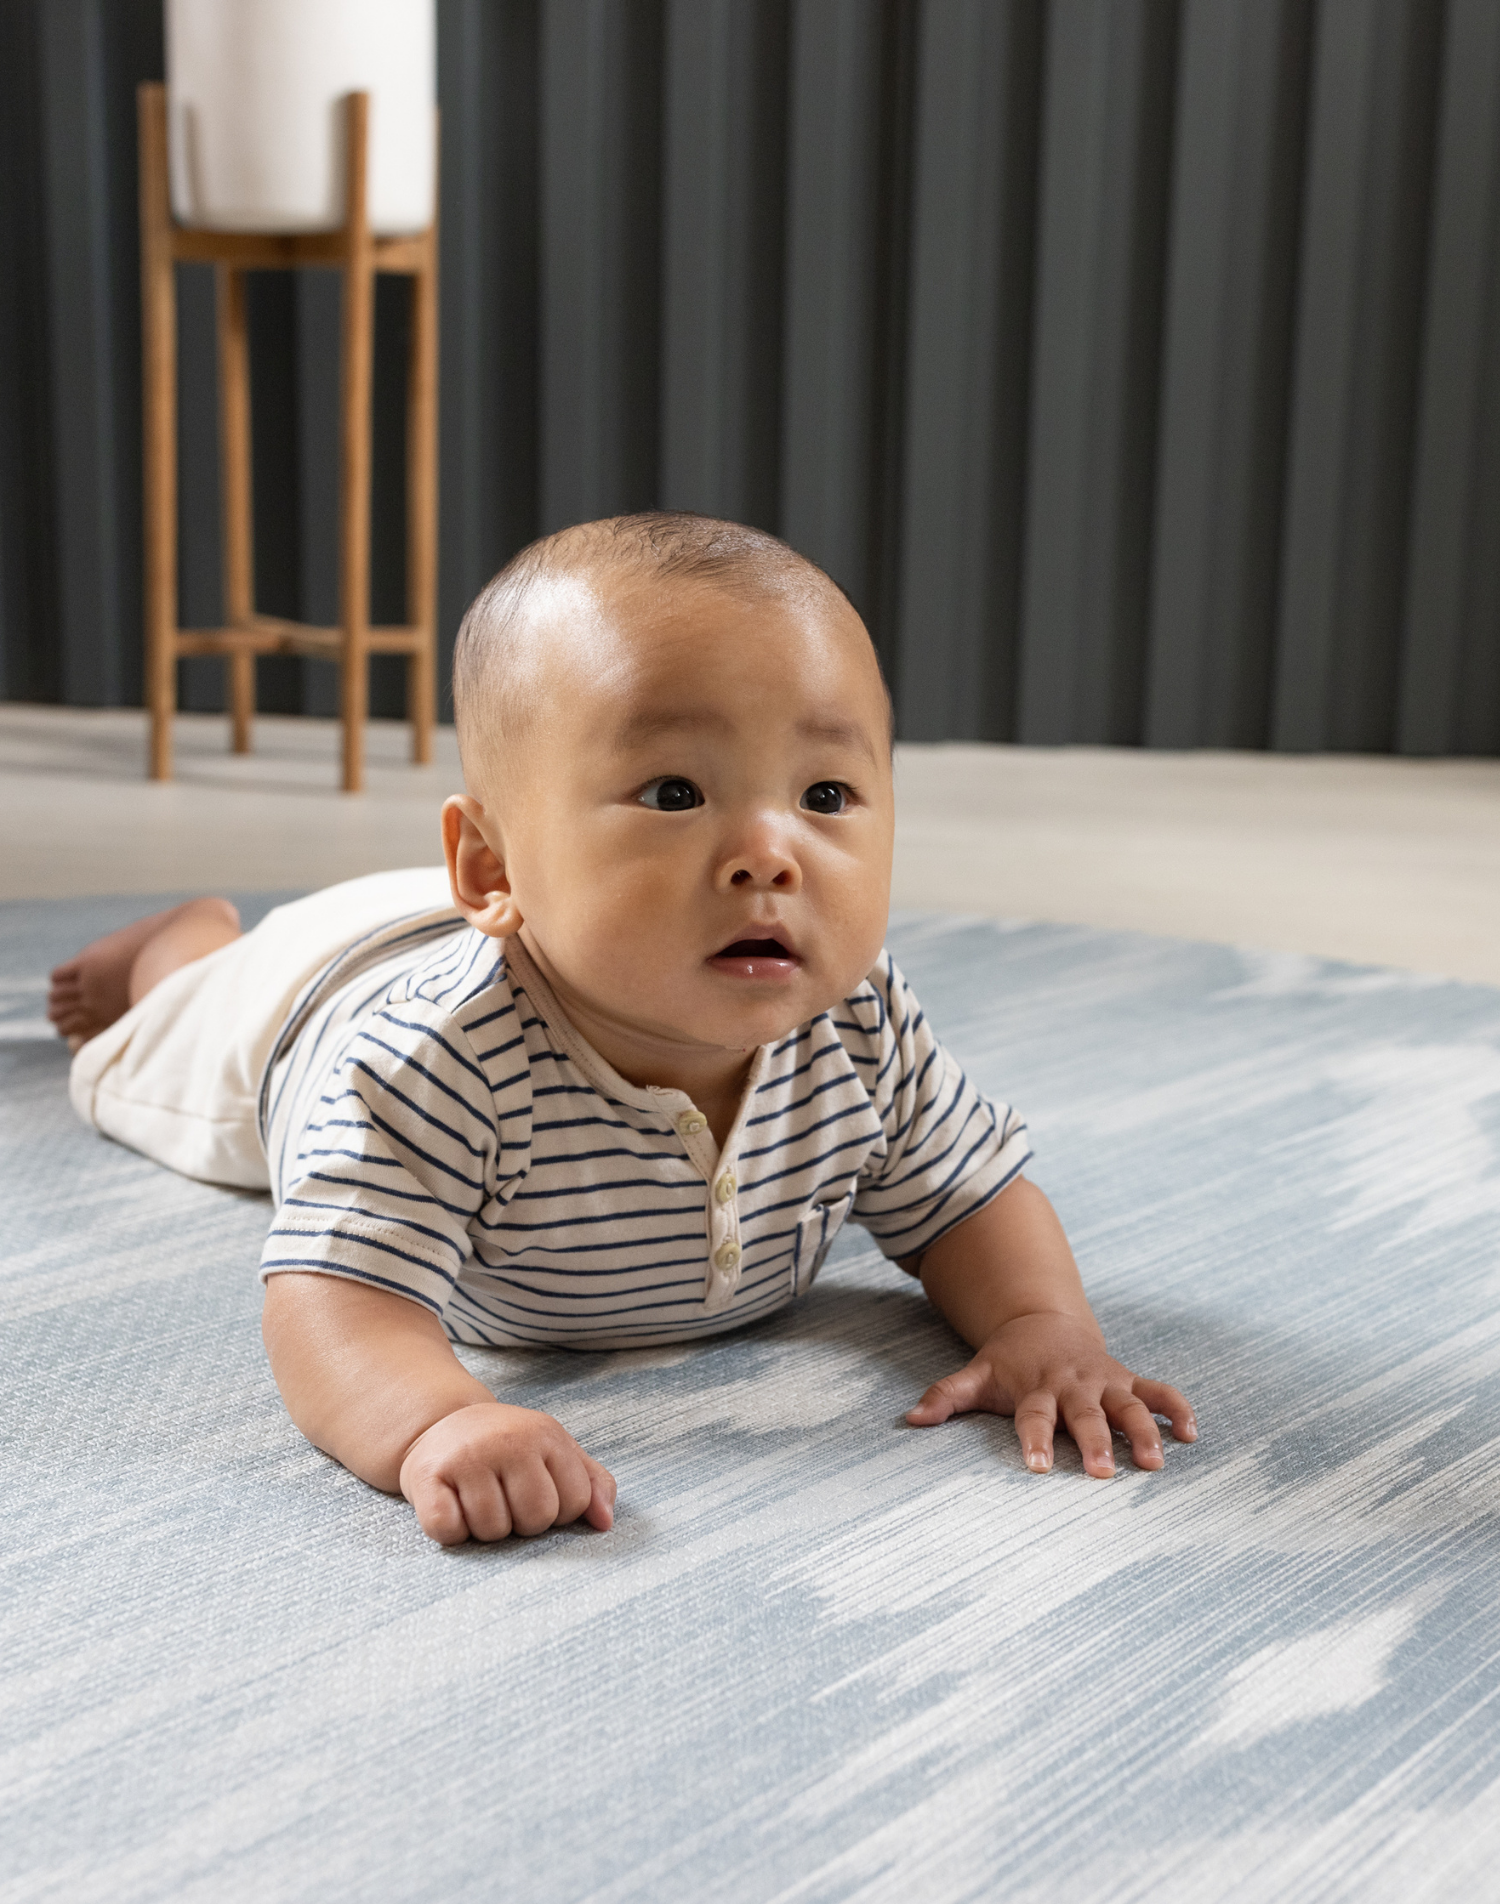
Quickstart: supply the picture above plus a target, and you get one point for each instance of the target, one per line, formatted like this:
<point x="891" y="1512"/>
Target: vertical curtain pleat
<point x="968" y="363"/>
<point x="1226" y="350"/>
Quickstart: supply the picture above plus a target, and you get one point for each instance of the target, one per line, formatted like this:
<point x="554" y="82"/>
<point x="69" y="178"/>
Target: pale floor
<point x="1390" y="861"/>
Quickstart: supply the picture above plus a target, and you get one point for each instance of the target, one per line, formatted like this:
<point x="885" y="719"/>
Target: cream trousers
<point x="178" y="1077"/>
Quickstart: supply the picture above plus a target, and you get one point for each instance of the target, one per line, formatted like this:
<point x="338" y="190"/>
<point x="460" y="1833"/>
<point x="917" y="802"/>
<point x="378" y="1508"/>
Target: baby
<point x="616" y="1077"/>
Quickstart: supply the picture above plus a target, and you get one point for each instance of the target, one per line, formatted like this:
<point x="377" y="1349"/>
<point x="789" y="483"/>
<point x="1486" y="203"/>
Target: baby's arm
<point x="371" y="1379"/>
<point x="1006" y="1280"/>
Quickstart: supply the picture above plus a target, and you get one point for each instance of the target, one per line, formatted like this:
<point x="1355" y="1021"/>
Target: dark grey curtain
<point x="1132" y="363"/>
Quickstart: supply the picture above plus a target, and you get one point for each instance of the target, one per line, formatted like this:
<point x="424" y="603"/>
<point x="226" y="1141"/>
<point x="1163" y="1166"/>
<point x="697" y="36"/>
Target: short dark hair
<point x="659" y="543"/>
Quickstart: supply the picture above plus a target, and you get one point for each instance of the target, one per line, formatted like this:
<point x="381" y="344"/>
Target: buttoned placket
<point x="719" y="1169"/>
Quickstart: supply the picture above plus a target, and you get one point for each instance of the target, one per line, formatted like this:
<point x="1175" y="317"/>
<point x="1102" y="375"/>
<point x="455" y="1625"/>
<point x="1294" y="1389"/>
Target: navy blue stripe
<point x="567" y="1158"/>
<point x="434" y="1037"/>
<point x="797" y="1104"/>
<point x="631" y="1309"/>
<point x="789" y="1044"/>
<point x="476" y="1151"/>
<point x="354" y="1156"/>
<point x="490" y="1018"/>
<point x="388" y="1190"/>
<point x="369" y="1242"/>
<point x="695" y="1184"/>
<point x="834" y="1117"/>
<point x="498" y="1051"/>
<point x="405" y="1063"/>
<point x="603" y="1216"/>
<point x="578" y="1090"/>
<point x="470" y="983"/>
<point x="960" y="1216"/>
<point x="787" y="1077"/>
<point x="592" y="1295"/>
<point x="502" y="1271"/>
<point x="352" y="1275"/>
<point x="386" y="1216"/>
<point x="935" y="1115"/>
<point x="578" y="1123"/>
<point x="924" y="1155"/>
<point x="934" y="1197"/>
<point x="475" y="1184"/>
<point x="801" y="1169"/>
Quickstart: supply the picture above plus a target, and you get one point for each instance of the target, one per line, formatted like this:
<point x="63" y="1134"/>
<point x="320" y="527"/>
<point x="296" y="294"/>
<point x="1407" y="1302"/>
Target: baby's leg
<point x="100" y="983"/>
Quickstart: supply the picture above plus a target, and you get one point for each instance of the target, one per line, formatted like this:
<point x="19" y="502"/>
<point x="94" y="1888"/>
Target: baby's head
<point x="677" y="745"/>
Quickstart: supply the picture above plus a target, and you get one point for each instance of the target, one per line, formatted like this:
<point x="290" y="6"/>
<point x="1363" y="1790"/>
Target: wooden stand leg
<point x="355" y="252"/>
<point x="354" y="485"/>
<point x="234" y="465"/>
<point x="421" y="504"/>
<point x="159" y="425"/>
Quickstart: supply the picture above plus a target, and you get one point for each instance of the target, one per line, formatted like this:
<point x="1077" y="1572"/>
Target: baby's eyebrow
<point x="840" y="734"/>
<point x="657" y="723"/>
<point x="653" y="723"/>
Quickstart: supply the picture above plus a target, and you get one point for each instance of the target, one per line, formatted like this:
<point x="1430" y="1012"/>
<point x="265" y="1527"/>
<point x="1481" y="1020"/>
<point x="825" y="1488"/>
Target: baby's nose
<point x="759" y="860"/>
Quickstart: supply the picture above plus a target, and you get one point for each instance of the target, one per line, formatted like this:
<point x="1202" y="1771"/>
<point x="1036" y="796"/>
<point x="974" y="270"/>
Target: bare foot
<point x="93" y="988"/>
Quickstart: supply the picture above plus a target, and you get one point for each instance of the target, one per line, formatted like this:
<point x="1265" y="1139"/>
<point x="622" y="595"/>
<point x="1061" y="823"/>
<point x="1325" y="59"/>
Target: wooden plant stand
<point x="357" y="254"/>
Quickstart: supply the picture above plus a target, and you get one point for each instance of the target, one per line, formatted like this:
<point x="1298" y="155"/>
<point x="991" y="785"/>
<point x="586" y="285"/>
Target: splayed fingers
<point x="1054" y="1371"/>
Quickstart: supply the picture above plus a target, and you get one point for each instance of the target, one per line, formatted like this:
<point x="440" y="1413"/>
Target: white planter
<point x="255" y="124"/>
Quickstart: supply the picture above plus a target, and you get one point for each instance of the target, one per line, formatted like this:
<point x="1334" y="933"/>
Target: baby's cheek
<point x="861" y="925"/>
<point x="627" y="942"/>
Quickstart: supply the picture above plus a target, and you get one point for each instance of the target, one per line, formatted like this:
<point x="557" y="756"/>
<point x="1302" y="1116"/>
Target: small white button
<point x="728" y="1256"/>
<point x="724" y="1188"/>
<point x="691" y="1122"/>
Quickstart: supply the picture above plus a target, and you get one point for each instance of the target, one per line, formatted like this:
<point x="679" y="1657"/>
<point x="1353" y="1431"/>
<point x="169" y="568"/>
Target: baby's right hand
<point x="490" y="1470"/>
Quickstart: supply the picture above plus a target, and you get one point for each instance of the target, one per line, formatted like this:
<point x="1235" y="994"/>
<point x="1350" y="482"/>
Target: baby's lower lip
<point x="756" y="959"/>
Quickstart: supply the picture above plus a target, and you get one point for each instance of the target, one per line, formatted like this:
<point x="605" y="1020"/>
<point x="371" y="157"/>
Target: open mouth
<point x="756" y="958"/>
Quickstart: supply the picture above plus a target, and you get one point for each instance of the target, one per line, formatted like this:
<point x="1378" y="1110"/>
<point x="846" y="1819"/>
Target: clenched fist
<point x="489" y="1470"/>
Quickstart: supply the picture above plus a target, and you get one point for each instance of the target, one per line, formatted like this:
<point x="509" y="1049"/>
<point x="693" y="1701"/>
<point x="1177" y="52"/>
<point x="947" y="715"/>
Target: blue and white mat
<point x="822" y="1656"/>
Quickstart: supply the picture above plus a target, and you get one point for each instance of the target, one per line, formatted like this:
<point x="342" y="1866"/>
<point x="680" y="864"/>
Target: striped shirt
<point x="436" y="1126"/>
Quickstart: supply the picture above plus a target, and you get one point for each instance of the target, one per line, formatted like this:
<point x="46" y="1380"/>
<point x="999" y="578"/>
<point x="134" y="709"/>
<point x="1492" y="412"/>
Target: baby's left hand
<point x="1040" y="1367"/>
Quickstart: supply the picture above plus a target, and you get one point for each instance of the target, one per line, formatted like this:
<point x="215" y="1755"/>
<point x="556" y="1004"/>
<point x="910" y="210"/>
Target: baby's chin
<point x="740" y="1010"/>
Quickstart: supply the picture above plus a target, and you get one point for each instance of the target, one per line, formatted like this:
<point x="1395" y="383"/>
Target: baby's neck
<point x="712" y="1076"/>
<point x="719" y="1100"/>
<point x="714" y="1080"/>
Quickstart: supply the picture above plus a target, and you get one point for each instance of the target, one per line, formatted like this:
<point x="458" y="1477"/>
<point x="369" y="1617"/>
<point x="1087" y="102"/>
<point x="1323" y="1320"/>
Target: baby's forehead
<point x="712" y="678"/>
<point x="643" y="631"/>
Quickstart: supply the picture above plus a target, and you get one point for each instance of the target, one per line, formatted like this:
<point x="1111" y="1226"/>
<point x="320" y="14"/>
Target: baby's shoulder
<point x="457" y="1013"/>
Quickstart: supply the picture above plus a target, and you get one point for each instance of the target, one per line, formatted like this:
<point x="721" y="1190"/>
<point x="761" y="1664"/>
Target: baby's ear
<point x="476" y="870"/>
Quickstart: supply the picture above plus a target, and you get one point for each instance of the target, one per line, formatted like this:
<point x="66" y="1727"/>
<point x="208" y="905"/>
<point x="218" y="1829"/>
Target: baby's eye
<point x="826" y="796"/>
<point x="670" y="794"/>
